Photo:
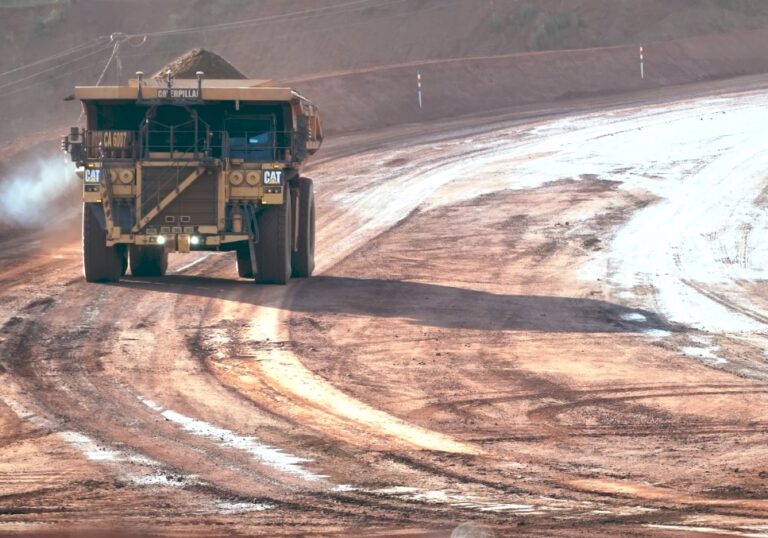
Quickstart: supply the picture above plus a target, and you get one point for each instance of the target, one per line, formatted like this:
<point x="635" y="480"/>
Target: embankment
<point x="386" y="95"/>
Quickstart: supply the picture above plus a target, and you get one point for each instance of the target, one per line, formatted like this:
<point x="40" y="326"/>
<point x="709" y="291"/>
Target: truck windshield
<point x="251" y="139"/>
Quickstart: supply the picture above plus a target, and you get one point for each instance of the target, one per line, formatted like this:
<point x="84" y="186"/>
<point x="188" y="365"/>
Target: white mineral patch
<point x="163" y="480"/>
<point x="95" y="451"/>
<point x="708" y="530"/>
<point x="242" y="508"/>
<point x="707" y="353"/>
<point x="476" y="502"/>
<point x="634" y="316"/>
<point x="344" y="487"/>
<point x="134" y="469"/>
<point x="268" y="455"/>
<point x="657" y="334"/>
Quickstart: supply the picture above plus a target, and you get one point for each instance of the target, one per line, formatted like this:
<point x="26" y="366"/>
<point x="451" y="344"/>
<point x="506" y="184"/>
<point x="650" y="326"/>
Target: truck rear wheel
<point x="303" y="258"/>
<point x="273" y="251"/>
<point x="148" y="260"/>
<point x="100" y="262"/>
<point x="244" y="267"/>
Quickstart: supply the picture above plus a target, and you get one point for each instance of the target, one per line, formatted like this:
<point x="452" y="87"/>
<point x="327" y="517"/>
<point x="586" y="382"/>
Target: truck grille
<point x="194" y="207"/>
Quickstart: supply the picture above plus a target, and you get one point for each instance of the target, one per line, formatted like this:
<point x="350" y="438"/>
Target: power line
<point x="56" y="56"/>
<point x="336" y="8"/>
<point x="119" y="38"/>
<point x="116" y="37"/>
<point x="115" y="52"/>
<point x="58" y="66"/>
<point x="45" y="81"/>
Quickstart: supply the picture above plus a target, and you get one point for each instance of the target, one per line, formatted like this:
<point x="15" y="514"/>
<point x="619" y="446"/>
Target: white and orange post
<point x="418" y="88"/>
<point x="642" y="61"/>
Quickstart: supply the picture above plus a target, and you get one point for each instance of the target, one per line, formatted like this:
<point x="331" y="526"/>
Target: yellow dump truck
<point x="183" y="165"/>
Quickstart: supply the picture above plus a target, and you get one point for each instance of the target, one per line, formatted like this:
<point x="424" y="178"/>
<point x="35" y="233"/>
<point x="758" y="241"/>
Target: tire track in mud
<point x="248" y="377"/>
<point x="279" y="369"/>
<point x="377" y="495"/>
<point x="69" y="392"/>
<point x="327" y="425"/>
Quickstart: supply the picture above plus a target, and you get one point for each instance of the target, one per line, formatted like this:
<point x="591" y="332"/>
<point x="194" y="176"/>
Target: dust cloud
<point x="32" y="195"/>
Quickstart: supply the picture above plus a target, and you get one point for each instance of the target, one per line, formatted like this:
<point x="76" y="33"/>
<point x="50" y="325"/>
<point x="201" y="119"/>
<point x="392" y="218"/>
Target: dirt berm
<point x="375" y="97"/>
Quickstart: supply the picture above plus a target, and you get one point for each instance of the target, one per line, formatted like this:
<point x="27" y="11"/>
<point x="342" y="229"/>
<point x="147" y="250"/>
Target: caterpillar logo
<point x="91" y="175"/>
<point x="273" y="177"/>
<point x="178" y="93"/>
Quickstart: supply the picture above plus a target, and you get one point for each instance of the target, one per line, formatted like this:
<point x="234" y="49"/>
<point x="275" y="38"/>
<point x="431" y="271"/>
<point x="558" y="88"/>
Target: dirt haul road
<point x="548" y="328"/>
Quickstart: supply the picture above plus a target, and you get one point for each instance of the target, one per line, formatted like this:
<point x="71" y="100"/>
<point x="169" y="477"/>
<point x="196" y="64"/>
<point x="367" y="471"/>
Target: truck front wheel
<point x="100" y="262"/>
<point x="273" y="251"/>
<point x="303" y="257"/>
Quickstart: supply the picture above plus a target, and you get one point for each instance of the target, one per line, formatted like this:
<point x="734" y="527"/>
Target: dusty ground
<point x="548" y="326"/>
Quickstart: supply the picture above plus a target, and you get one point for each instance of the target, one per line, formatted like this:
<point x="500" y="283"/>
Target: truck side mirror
<point x="300" y="138"/>
<point x="73" y="144"/>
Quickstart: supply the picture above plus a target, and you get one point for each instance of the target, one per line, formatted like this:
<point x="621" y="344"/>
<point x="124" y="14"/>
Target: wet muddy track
<point x="457" y="358"/>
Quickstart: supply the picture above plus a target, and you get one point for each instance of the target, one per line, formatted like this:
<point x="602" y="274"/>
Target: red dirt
<point x="450" y="368"/>
<point x="447" y="368"/>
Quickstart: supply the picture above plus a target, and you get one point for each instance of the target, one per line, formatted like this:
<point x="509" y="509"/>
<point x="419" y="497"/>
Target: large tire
<point x="303" y="258"/>
<point x="100" y="262"/>
<point x="244" y="267"/>
<point x="273" y="251"/>
<point x="148" y="260"/>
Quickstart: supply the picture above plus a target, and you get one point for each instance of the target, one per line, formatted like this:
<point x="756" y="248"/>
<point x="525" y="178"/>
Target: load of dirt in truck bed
<point x="210" y="63"/>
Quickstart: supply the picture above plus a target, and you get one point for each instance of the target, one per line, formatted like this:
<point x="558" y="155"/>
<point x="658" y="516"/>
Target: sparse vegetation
<point x="495" y="22"/>
<point x="54" y="16"/>
<point x="524" y="15"/>
<point x="554" y="30"/>
<point x="747" y="7"/>
<point x="514" y="22"/>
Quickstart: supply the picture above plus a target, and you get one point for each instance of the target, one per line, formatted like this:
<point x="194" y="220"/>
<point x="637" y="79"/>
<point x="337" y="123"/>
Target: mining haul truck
<point x="184" y="165"/>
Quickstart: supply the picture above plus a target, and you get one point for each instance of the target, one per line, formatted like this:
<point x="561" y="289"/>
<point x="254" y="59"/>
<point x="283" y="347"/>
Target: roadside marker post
<point x="418" y="87"/>
<point x="642" y="62"/>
